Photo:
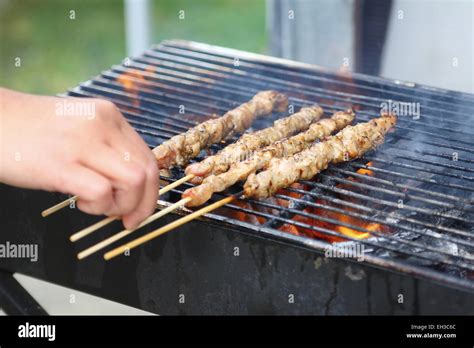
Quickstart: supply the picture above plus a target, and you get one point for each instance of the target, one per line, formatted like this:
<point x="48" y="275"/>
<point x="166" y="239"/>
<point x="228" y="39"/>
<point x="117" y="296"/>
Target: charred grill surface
<point x="418" y="185"/>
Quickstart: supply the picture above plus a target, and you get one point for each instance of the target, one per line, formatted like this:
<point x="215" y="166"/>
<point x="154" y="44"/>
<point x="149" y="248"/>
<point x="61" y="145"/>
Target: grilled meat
<point x="352" y="142"/>
<point x="181" y="148"/>
<point x="241" y="149"/>
<point x="261" y="158"/>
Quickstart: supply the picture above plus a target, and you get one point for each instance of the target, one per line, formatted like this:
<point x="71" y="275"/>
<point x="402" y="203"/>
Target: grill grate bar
<point x="392" y="192"/>
<point x="172" y="132"/>
<point x="389" y="215"/>
<point x="289" y="91"/>
<point x="362" y="113"/>
<point x="434" y="154"/>
<point x="374" y="233"/>
<point x="317" y="193"/>
<point x="231" y="70"/>
<point x="223" y="109"/>
<point x="389" y="204"/>
<point x="385" y="202"/>
<point x="126" y="106"/>
<point x="435" y="144"/>
<point x="201" y="107"/>
<point x="315" y="73"/>
<point x="89" y="87"/>
<point x="411" y="177"/>
<point x="166" y="133"/>
<point x="184" y="78"/>
<point x="332" y="233"/>
<point x="419" y="169"/>
<point x="405" y="195"/>
<point x="301" y="102"/>
<point x="336" y="222"/>
<point x="176" y="107"/>
<point x="113" y="76"/>
<point x="281" y="85"/>
<point x="375" y="219"/>
<point x="446" y="165"/>
<point x="230" y="67"/>
<point x="400" y="186"/>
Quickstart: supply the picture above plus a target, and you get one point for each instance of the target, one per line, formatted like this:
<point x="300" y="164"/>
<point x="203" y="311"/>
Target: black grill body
<point x="421" y="191"/>
<point x="198" y="261"/>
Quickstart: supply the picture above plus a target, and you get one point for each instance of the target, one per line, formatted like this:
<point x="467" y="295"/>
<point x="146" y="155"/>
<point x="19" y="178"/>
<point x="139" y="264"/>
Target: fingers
<point x="133" y="173"/>
<point x="126" y="177"/>
<point x="94" y="191"/>
<point x="115" y="161"/>
<point x="143" y="156"/>
<point x="85" y="155"/>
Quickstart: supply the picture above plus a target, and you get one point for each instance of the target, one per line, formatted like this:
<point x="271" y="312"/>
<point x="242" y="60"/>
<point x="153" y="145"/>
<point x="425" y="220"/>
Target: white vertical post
<point x="314" y="31"/>
<point x="137" y="26"/>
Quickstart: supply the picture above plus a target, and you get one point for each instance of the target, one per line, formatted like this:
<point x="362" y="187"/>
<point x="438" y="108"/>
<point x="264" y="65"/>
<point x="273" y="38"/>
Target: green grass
<point x="57" y="52"/>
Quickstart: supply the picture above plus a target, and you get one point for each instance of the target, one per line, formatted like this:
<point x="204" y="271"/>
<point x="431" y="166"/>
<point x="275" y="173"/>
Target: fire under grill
<point x="409" y="204"/>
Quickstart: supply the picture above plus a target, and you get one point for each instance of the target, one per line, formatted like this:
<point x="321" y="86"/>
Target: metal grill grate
<point x="421" y="188"/>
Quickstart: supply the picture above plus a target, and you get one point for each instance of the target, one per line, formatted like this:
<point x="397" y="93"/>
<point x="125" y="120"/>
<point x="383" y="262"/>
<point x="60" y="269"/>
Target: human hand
<point x="79" y="146"/>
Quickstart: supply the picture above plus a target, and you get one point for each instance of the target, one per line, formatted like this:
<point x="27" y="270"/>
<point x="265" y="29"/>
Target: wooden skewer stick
<point x="78" y="235"/>
<point x="58" y="206"/>
<point x="88" y="230"/>
<point x="176" y="184"/>
<point x="68" y="201"/>
<point x="125" y="233"/>
<point x="149" y="236"/>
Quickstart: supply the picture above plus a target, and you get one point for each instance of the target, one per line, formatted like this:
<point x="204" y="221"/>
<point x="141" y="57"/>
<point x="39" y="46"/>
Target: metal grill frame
<point x="182" y="68"/>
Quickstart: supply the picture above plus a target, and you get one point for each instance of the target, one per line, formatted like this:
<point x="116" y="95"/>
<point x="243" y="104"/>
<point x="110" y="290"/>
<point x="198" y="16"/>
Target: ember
<point x="345" y="219"/>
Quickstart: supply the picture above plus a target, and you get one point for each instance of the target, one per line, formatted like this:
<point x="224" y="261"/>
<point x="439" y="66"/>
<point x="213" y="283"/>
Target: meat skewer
<point x="260" y="159"/>
<point x="289" y="125"/>
<point x="181" y="148"/>
<point x="241" y="149"/>
<point x="240" y="170"/>
<point x="350" y="143"/>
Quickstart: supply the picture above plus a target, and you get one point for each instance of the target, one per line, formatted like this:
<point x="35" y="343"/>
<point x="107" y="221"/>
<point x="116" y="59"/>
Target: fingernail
<point x="130" y="223"/>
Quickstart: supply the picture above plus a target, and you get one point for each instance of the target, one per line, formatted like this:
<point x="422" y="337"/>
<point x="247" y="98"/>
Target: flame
<point x="241" y="215"/>
<point x="344" y="218"/>
<point x="130" y="86"/>
<point x="355" y="233"/>
<point x="340" y="229"/>
<point x="131" y="81"/>
<point x="365" y="171"/>
<point x="290" y="229"/>
<point x="372" y="227"/>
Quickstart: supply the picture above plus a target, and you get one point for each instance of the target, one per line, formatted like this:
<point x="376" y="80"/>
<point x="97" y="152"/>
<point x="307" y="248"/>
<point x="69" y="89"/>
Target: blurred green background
<point x="57" y="52"/>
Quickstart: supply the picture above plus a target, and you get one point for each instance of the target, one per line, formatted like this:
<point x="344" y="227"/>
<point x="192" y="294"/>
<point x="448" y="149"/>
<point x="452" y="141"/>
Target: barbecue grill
<point x="409" y="204"/>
